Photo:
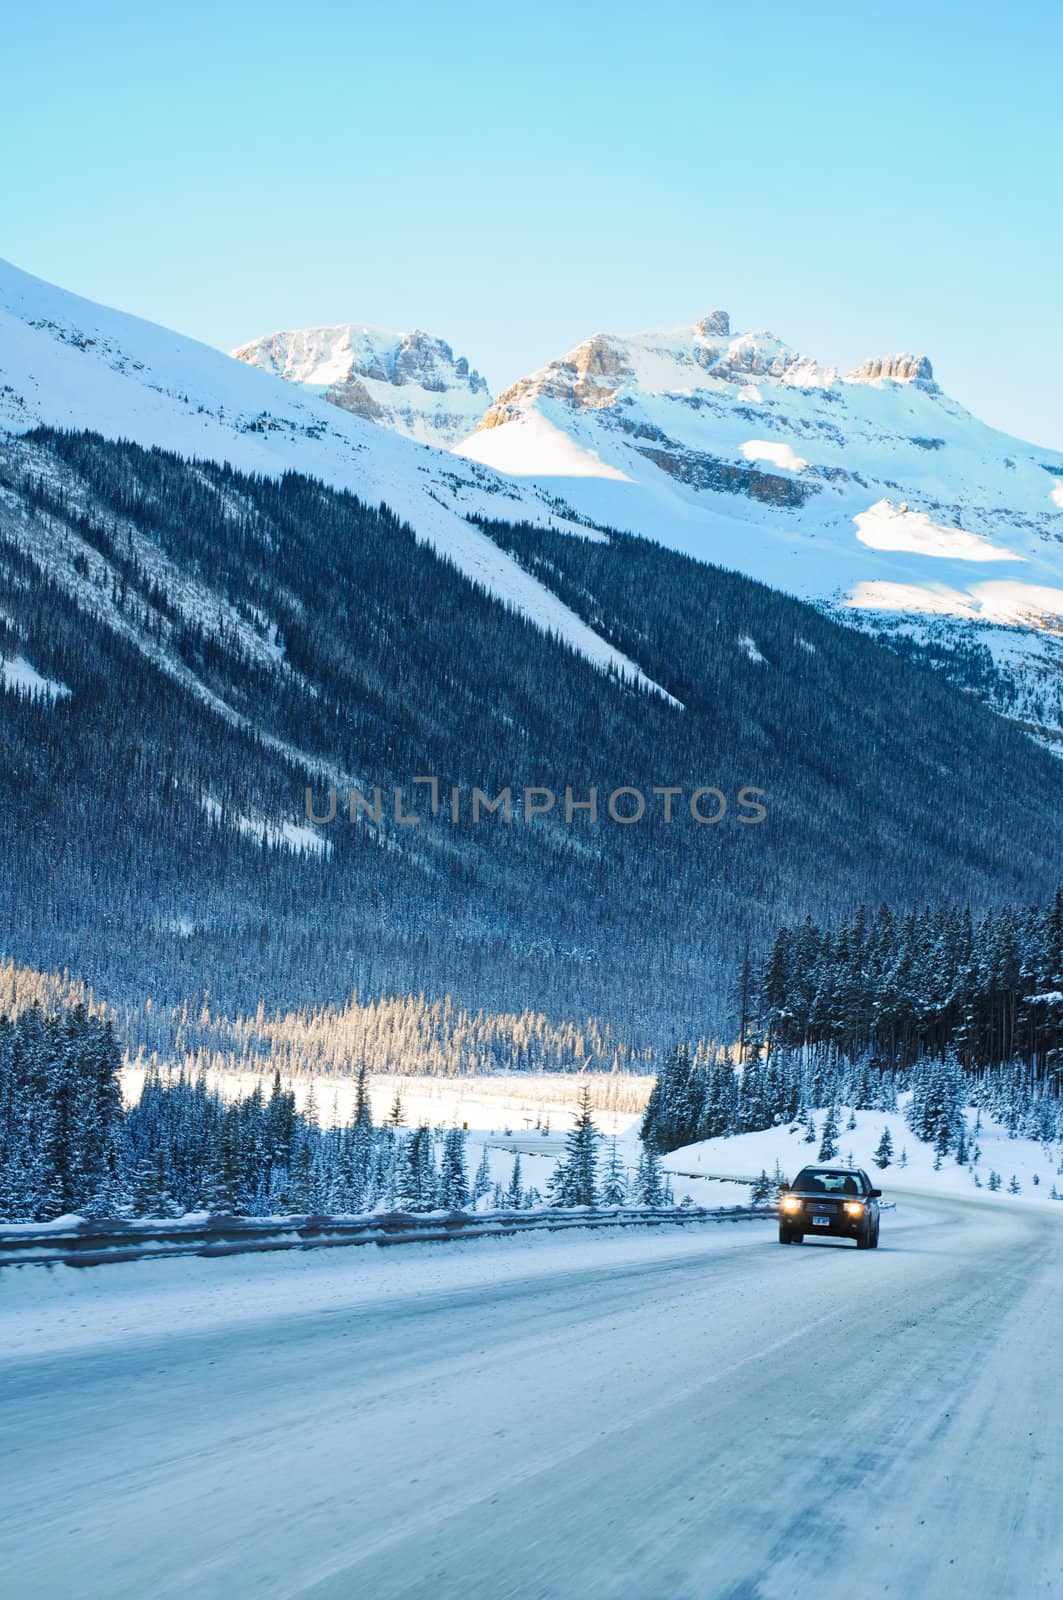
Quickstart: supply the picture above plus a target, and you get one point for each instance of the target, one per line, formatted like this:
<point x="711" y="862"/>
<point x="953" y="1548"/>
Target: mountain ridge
<point x="875" y="496"/>
<point x="409" y="382"/>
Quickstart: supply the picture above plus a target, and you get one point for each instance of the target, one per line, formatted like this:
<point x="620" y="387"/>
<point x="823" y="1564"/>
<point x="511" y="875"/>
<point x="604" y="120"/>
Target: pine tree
<point x="453" y="1178"/>
<point x="761" y="1189"/>
<point x="515" y="1192"/>
<point x="363" y="1110"/>
<point x="1014" y="1186"/>
<point x="427" y="1176"/>
<point x="151" y="1196"/>
<point x="405" y="1179"/>
<point x="481" y="1183"/>
<point x="219" y="1192"/>
<point x="828" y="1147"/>
<point x="575" y="1179"/>
<point x="614" y="1182"/>
<point x="884" y="1150"/>
<point x="649" y="1184"/>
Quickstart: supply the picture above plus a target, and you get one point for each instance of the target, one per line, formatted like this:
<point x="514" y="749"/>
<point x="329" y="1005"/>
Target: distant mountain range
<point x="872" y="493"/>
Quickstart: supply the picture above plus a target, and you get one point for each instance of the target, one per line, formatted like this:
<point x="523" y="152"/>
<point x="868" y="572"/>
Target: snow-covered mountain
<point x="69" y="363"/>
<point x="409" y="382"/>
<point x="873" y="492"/>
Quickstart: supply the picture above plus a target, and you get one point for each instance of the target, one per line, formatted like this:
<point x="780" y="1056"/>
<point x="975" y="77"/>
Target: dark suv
<point x="829" y="1200"/>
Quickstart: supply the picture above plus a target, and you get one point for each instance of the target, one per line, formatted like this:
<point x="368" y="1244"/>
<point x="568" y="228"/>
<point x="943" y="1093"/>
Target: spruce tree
<point x="649" y="1184"/>
<point x="828" y="1147"/>
<point x="614" y="1182"/>
<point x="453" y="1177"/>
<point x="575" y="1180"/>
<point x="884" y="1150"/>
<point x="481" y="1183"/>
<point x="761" y="1188"/>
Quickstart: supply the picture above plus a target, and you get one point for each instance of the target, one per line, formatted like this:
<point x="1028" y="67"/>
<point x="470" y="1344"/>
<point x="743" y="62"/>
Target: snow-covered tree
<point x="614" y="1179"/>
<point x="575" y="1179"/>
<point x="649" y="1182"/>
<point x="453" y="1177"/>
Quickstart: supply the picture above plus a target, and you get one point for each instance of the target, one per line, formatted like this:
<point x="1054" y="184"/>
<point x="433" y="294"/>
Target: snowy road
<point x="706" y="1415"/>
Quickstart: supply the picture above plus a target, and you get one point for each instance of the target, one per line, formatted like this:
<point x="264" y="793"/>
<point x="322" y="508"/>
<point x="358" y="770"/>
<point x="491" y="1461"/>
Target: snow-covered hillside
<point x="999" y="1166"/>
<point x="70" y="363"/>
<point x="411" y="383"/>
<point x="873" y="493"/>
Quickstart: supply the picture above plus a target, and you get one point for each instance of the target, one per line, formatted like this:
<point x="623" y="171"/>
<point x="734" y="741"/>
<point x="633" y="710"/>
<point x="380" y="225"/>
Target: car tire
<point x="874" y="1238"/>
<point x="785" y="1236"/>
<point x="797" y="1238"/>
<point x="863" y="1240"/>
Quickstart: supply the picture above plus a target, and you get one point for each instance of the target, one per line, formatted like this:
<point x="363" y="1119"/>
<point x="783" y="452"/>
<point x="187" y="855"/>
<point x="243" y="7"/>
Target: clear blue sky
<point x="859" y="178"/>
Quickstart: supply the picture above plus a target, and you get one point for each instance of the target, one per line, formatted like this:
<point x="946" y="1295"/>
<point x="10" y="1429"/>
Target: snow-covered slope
<point x="409" y="382"/>
<point x="1025" y="1169"/>
<point x="69" y="363"/>
<point x="874" y="493"/>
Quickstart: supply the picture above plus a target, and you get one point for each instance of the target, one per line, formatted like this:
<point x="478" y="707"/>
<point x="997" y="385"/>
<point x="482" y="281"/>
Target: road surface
<point x="706" y="1415"/>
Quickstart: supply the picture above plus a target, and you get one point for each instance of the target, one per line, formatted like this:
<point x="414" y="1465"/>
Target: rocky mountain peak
<point x="717" y="325"/>
<point x="901" y="368"/>
<point x="410" y="382"/>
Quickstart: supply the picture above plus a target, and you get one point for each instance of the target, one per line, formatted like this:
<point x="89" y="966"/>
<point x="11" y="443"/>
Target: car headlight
<point x="855" y="1208"/>
<point x="791" y="1203"/>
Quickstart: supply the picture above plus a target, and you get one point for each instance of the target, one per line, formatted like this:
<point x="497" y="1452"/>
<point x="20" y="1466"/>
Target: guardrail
<point x="83" y="1242"/>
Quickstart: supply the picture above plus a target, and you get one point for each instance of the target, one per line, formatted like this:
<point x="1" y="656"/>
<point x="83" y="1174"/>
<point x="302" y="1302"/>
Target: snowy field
<point x="686" y="1417"/>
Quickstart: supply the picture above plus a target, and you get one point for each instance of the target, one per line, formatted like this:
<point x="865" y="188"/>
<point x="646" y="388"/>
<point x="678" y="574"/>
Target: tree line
<point x="68" y="1145"/>
<point x="898" y="988"/>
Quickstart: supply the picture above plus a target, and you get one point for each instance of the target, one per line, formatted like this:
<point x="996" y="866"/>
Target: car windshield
<point x="812" y="1182"/>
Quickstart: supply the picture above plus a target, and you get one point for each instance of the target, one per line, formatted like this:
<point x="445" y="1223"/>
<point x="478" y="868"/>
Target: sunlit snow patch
<point x="1007" y="600"/>
<point x="1004" y="601"/>
<point x="1057" y="492"/>
<point x="18" y="676"/>
<point x="879" y="595"/>
<point x="532" y="447"/>
<point x="776" y="452"/>
<point x="749" y="648"/>
<point x="888" y="527"/>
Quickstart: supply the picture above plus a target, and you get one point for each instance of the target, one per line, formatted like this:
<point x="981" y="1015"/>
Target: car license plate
<point x="821" y="1222"/>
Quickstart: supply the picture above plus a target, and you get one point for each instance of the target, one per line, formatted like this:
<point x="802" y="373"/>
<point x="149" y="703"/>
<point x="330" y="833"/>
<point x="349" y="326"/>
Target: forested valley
<point x="210" y="643"/>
